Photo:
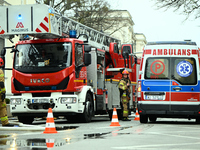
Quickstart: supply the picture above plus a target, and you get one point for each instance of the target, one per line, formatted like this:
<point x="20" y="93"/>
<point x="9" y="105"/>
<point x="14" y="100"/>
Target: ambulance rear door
<point x="185" y="87"/>
<point x="156" y="84"/>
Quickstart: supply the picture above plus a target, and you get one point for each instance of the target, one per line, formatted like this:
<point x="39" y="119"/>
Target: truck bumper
<point x="165" y="110"/>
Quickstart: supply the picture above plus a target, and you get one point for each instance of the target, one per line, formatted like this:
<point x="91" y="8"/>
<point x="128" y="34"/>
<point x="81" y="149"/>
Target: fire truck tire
<point x="152" y="118"/>
<point x="26" y="119"/>
<point x="88" y="110"/>
<point x="72" y="118"/>
<point x="198" y="120"/>
<point x="143" y="119"/>
<point x="119" y="114"/>
<point x="110" y="114"/>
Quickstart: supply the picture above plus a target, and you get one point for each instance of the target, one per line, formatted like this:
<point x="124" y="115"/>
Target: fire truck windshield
<point x="43" y="57"/>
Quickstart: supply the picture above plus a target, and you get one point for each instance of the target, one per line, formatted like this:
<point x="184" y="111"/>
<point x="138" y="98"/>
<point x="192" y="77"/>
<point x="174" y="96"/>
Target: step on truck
<point x="62" y="64"/>
<point x="168" y="84"/>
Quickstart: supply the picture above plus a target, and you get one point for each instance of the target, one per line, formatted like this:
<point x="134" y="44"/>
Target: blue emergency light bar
<point x="172" y="43"/>
<point x="72" y="33"/>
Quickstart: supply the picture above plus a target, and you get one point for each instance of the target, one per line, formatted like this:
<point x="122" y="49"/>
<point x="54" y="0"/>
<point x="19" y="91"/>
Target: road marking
<point x="154" y="145"/>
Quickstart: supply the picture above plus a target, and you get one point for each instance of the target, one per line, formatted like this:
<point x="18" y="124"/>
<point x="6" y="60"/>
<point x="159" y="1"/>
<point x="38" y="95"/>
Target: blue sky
<point x="159" y="25"/>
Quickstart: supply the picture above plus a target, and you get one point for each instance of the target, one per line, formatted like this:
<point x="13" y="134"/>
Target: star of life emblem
<point x="184" y="68"/>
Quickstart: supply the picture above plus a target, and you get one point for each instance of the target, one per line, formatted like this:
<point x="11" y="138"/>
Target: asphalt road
<point x="165" y="134"/>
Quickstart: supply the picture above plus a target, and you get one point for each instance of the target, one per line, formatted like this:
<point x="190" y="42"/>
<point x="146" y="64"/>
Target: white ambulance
<point x="169" y="81"/>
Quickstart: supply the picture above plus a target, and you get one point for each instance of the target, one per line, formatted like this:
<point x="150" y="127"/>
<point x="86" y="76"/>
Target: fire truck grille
<point x="61" y="86"/>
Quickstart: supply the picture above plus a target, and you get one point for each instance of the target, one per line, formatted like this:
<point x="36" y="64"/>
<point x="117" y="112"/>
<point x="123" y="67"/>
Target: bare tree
<point x="187" y="7"/>
<point x="96" y="14"/>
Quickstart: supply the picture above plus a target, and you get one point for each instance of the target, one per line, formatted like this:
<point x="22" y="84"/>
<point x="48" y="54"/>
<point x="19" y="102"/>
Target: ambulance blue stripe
<point x="164" y="86"/>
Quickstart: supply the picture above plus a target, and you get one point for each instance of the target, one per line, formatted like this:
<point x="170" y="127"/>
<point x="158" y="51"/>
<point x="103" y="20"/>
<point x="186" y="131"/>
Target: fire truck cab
<point x="168" y="84"/>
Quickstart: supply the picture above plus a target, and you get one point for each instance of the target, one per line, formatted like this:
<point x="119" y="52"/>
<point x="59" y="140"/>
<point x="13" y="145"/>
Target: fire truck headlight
<point x="66" y="100"/>
<point x="15" y="101"/>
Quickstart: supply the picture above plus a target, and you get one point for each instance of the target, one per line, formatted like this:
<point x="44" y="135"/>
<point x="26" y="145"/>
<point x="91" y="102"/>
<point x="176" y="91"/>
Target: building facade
<point x="125" y="31"/>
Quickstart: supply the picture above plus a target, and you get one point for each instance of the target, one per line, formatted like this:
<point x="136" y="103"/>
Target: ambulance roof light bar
<point x="172" y="43"/>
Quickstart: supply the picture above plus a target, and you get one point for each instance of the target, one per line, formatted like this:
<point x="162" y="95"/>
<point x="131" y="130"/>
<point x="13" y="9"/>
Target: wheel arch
<point x="82" y="95"/>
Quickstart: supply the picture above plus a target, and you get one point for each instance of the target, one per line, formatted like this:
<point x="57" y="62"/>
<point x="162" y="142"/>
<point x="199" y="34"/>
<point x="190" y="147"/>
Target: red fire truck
<point x="62" y="64"/>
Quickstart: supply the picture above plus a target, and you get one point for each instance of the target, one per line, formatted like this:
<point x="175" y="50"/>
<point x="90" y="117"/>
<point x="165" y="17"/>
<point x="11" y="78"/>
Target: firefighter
<point x="124" y="88"/>
<point x="3" y="111"/>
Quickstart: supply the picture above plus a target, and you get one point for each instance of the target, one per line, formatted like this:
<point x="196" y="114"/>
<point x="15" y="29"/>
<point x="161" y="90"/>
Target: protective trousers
<point x="3" y="113"/>
<point x="125" y="106"/>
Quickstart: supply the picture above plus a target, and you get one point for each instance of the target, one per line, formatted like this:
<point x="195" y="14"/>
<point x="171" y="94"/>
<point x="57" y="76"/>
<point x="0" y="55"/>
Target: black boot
<point x="8" y="125"/>
<point x="126" y="119"/>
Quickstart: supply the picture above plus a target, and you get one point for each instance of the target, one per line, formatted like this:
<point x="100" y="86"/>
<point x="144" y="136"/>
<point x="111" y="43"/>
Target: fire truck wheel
<point x="89" y="109"/>
<point x="26" y="119"/>
<point x="198" y="120"/>
<point x="143" y="119"/>
<point x="152" y="118"/>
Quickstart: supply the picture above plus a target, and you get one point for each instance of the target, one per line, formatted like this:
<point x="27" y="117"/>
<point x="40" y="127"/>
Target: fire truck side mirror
<point x="3" y="52"/>
<point x="87" y="48"/>
<point x="135" y="59"/>
<point x="87" y="59"/>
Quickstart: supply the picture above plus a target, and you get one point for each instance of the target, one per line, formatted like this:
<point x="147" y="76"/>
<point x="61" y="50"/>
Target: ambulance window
<point x="184" y="71"/>
<point x="157" y="68"/>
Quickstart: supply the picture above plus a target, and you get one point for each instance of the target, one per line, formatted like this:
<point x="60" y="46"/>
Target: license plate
<point x="38" y="144"/>
<point x="154" y="97"/>
<point x="40" y="100"/>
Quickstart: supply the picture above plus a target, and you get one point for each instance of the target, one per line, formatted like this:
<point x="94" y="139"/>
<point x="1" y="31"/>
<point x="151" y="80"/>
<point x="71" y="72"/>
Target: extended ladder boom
<point x="42" y="21"/>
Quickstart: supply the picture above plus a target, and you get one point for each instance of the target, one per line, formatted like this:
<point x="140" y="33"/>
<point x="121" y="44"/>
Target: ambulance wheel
<point x="26" y="119"/>
<point x="88" y="110"/>
<point x="152" y="118"/>
<point x="143" y="119"/>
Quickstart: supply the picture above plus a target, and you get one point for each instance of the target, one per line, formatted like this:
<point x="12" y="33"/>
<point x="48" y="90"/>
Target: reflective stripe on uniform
<point x="125" y="112"/>
<point x="2" y="90"/>
<point x="1" y="75"/>
<point x="123" y="86"/>
<point x="4" y="118"/>
<point x="124" y="94"/>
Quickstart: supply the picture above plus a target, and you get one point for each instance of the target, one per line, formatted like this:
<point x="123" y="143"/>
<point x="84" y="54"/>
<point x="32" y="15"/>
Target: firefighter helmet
<point x="1" y="62"/>
<point x="125" y="72"/>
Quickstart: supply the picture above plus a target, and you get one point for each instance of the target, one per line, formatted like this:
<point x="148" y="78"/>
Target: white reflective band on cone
<point x="50" y="125"/>
<point x="114" y="120"/>
<point x="114" y="113"/>
<point x="50" y="115"/>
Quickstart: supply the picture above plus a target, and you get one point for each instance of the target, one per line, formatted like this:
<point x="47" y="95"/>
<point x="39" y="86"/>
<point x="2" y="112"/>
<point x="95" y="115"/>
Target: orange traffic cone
<point x="50" y="125"/>
<point x="114" y="121"/>
<point x="50" y="143"/>
<point x="137" y="117"/>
